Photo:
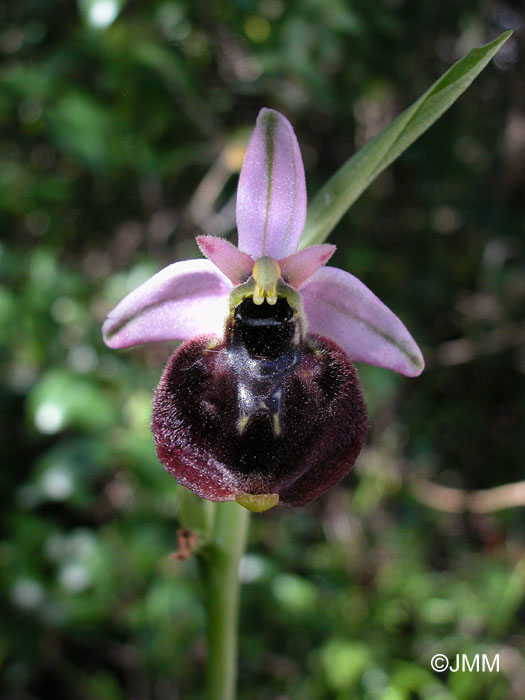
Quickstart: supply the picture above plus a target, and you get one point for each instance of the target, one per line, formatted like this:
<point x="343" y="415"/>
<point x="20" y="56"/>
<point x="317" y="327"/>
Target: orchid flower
<point x="262" y="403"/>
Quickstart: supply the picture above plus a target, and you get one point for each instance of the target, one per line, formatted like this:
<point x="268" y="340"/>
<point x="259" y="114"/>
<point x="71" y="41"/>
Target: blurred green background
<point x="123" y="127"/>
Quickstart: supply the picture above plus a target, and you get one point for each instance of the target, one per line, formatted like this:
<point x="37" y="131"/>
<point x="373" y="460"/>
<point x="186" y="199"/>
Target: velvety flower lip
<point x="192" y="297"/>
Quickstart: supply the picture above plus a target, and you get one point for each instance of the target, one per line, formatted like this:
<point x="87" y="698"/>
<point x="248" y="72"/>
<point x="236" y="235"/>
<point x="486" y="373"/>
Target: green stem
<point x="221" y="577"/>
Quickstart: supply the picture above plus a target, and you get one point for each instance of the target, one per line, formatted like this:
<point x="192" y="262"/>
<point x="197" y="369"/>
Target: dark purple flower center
<point x="261" y="411"/>
<point x="265" y="330"/>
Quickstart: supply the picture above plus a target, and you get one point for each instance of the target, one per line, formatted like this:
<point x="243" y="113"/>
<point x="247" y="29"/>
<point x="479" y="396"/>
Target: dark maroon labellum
<point x="262" y="411"/>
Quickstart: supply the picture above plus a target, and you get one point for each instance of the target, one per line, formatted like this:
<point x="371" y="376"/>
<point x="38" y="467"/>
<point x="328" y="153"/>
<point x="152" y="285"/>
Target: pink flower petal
<point x="297" y="268"/>
<point x="271" y="197"/>
<point x="341" y="307"/>
<point x="182" y="300"/>
<point x="237" y="266"/>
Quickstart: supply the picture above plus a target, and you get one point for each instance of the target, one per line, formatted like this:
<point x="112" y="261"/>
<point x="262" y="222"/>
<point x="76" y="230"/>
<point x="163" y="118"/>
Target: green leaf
<point x="341" y="191"/>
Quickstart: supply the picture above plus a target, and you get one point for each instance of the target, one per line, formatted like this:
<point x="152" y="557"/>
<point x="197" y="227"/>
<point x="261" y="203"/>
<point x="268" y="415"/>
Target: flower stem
<point x="221" y="577"/>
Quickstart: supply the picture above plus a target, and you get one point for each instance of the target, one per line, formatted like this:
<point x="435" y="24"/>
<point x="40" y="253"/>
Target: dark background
<point x="122" y="133"/>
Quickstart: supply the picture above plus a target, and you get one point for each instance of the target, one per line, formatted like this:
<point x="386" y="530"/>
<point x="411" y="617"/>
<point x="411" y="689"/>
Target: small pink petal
<point x="237" y="266"/>
<point x="271" y="197"/>
<point x="297" y="268"/>
<point x="341" y="307"/>
<point x="182" y="300"/>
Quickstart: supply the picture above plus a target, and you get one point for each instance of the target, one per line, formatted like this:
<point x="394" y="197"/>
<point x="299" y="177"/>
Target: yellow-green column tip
<point x="259" y="502"/>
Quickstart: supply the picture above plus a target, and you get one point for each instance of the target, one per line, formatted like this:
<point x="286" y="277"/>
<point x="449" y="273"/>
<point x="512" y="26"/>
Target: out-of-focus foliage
<point x="123" y="129"/>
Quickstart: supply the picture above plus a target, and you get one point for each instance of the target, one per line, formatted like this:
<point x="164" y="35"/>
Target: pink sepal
<point x="182" y="300"/>
<point x="341" y="307"/>
<point x="271" y="197"/>
<point x="297" y="268"/>
<point x="236" y="265"/>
